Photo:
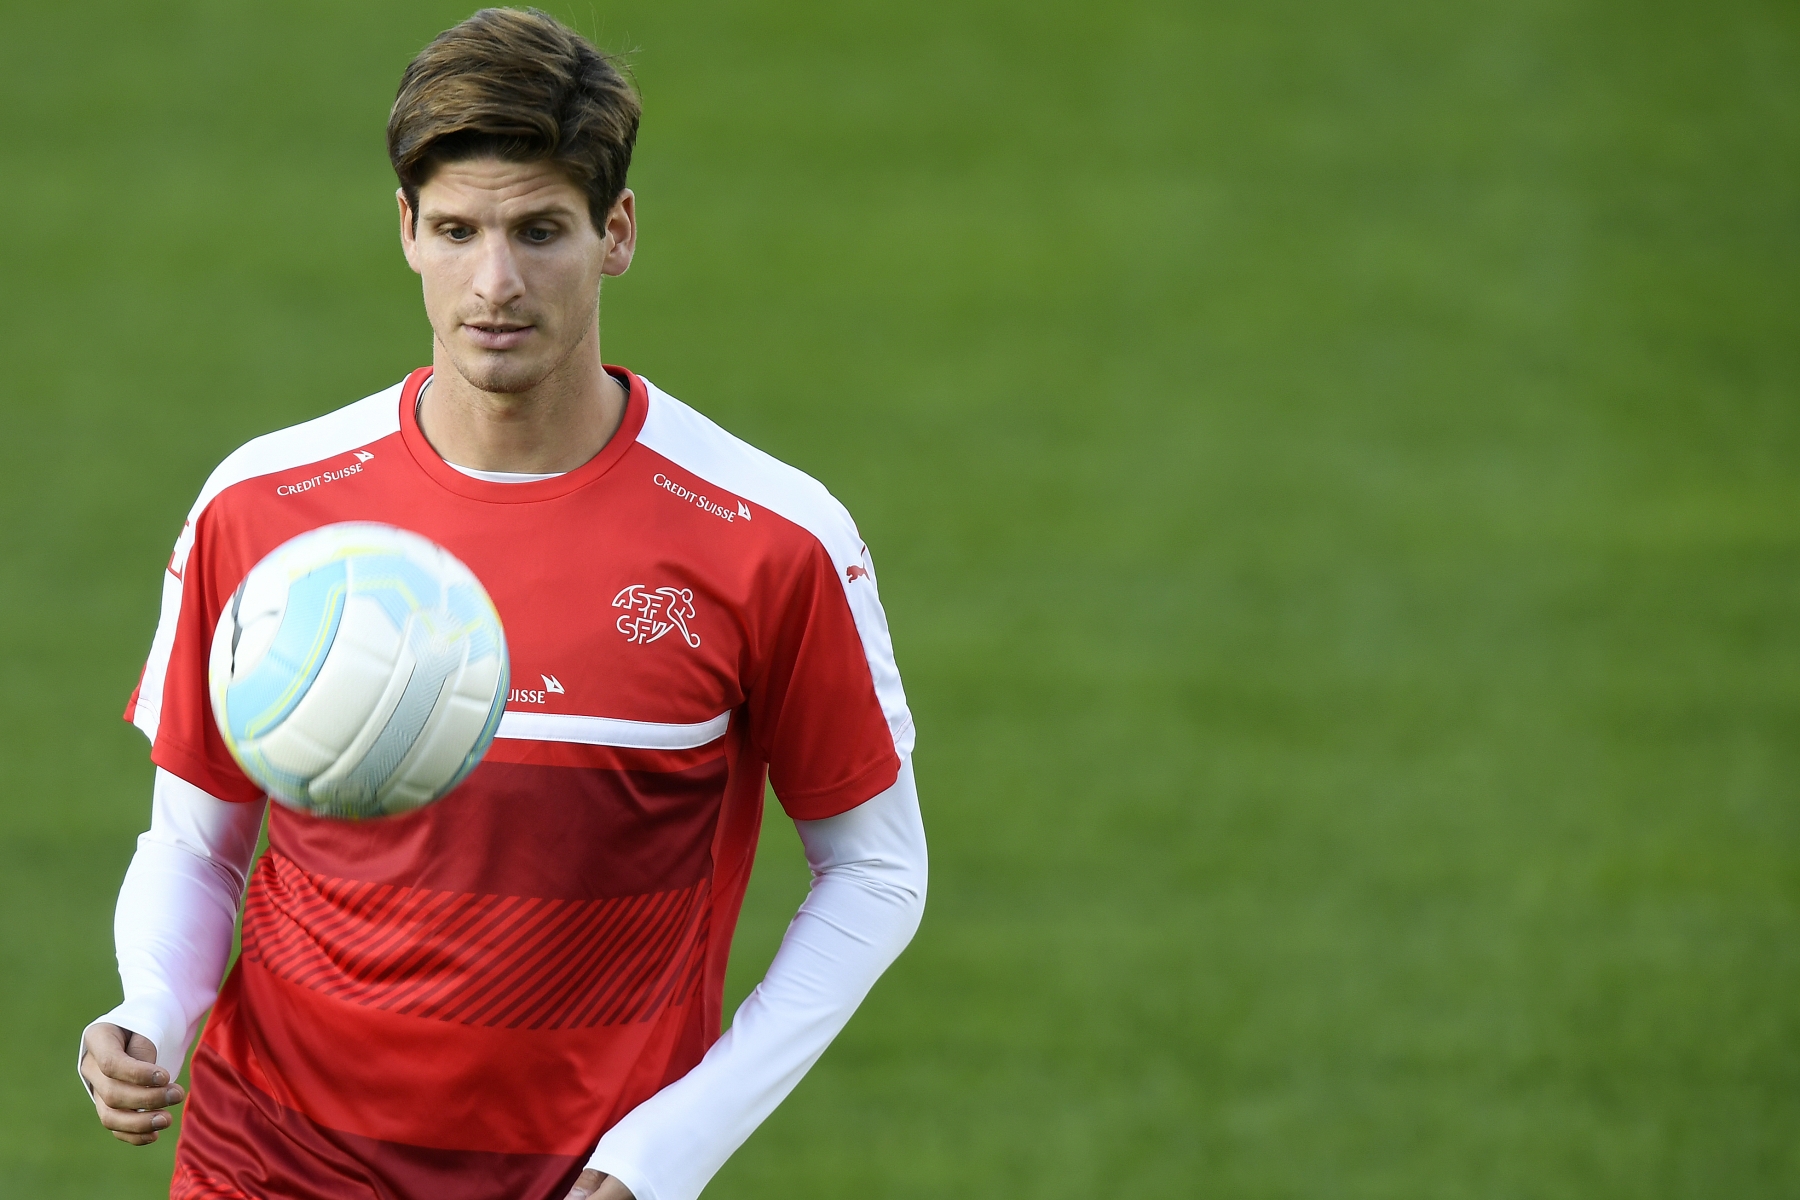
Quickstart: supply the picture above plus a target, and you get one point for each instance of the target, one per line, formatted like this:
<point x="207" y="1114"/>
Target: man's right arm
<point x="172" y="931"/>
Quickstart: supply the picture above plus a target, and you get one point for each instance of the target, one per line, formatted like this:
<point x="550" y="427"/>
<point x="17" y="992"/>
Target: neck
<point x="556" y="425"/>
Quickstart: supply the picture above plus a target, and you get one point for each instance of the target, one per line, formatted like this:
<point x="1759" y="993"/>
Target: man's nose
<point x="497" y="278"/>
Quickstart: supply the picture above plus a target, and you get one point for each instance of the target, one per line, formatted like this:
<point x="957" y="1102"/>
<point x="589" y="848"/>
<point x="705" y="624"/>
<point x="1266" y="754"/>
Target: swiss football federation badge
<point x="651" y="613"/>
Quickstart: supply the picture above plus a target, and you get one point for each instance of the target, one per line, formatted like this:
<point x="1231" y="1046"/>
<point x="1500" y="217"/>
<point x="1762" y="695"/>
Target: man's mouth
<point x="497" y="335"/>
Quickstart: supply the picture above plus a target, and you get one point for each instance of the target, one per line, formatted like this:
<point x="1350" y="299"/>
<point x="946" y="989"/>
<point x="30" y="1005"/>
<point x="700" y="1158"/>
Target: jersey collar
<point x="637" y="404"/>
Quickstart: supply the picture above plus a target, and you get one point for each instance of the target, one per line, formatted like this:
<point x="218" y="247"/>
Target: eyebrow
<point x="553" y="209"/>
<point x="557" y="209"/>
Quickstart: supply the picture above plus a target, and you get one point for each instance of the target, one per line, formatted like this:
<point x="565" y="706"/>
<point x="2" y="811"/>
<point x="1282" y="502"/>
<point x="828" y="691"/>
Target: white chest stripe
<point x="610" y="731"/>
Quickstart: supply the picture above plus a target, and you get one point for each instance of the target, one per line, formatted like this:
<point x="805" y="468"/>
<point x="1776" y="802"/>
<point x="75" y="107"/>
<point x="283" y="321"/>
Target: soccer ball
<point x="358" y="671"/>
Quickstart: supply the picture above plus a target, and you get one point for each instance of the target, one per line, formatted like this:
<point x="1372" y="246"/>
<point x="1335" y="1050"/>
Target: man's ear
<point x="409" y="231"/>
<point x="620" y="234"/>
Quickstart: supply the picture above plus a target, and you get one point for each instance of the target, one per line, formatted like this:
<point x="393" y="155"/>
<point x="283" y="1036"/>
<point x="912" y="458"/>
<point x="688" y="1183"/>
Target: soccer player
<point x="516" y="992"/>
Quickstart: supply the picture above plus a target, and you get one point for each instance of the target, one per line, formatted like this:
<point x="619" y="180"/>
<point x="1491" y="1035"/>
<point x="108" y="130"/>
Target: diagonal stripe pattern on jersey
<point x="512" y="961"/>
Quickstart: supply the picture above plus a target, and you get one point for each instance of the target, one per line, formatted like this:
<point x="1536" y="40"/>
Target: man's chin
<point x="499" y="373"/>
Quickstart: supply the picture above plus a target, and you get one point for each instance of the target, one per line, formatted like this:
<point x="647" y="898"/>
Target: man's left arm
<point x="868" y="894"/>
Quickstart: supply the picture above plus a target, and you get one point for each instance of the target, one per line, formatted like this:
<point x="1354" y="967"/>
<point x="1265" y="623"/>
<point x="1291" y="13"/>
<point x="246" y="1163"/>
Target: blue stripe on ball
<point x="262" y="699"/>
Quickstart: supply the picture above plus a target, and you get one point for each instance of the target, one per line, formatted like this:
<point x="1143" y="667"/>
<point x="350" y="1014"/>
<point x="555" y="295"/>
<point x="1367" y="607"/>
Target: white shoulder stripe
<point x="610" y="731"/>
<point x="368" y="420"/>
<point x="686" y="438"/>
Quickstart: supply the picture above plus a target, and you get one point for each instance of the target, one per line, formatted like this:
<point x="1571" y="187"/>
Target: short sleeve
<point x="171" y="703"/>
<point x="815" y="711"/>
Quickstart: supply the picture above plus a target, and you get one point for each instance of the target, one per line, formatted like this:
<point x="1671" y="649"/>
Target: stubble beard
<point x="508" y="373"/>
<point x="500" y="373"/>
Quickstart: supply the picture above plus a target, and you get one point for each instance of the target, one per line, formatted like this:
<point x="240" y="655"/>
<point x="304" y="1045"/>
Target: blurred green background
<point x="1334" y="470"/>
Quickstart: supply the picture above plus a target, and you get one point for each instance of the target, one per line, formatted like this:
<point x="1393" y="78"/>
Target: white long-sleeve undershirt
<point x="176" y="911"/>
<point x="179" y="904"/>
<point x="868" y="893"/>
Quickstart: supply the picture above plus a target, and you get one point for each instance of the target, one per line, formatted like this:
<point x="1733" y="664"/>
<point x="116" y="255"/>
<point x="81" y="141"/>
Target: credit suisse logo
<point x="325" y="477"/>
<point x="552" y="687"/>
<point x="701" y="501"/>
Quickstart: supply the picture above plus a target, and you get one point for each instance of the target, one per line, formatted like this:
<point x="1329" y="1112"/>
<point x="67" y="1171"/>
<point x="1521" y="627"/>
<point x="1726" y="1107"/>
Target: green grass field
<point x="1334" y="469"/>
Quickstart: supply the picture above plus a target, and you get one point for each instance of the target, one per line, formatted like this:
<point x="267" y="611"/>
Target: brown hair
<point x="518" y="85"/>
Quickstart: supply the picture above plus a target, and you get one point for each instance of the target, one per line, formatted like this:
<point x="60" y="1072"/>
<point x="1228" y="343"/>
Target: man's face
<point x="511" y="264"/>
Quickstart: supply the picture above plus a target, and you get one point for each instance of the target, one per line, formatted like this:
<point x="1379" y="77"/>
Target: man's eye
<point x="539" y="235"/>
<point x="459" y="233"/>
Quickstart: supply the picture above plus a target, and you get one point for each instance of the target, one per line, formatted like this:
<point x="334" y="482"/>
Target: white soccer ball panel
<point x="465" y="710"/>
<point x="440" y="753"/>
<point x="259" y="607"/>
<point x="479" y="679"/>
<point x="291" y="749"/>
<point x="218" y="665"/>
<point x="350" y="685"/>
<point x="399" y="670"/>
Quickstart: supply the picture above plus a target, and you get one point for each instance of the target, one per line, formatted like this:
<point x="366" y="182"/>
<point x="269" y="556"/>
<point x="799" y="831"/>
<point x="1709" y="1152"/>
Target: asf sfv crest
<point x="650" y="613"/>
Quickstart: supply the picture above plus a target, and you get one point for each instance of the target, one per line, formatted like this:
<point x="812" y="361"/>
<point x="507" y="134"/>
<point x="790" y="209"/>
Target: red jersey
<point x="459" y="1001"/>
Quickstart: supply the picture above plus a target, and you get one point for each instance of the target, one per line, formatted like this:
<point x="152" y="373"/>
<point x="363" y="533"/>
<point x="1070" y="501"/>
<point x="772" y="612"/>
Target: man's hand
<point x="592" y="1185"/>
<point x="130" y="1090"/>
